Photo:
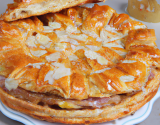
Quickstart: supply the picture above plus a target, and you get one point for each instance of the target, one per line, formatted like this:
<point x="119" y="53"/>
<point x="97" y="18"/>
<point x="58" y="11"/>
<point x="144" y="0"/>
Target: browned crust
<point x="14" y="10"/>
<point x="86" y="116"/>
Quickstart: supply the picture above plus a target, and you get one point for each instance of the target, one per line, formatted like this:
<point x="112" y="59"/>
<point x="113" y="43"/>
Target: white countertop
<point x="119" y="5"/>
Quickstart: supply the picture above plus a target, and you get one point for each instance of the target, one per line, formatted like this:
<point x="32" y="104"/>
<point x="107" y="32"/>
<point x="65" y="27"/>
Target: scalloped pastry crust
<point x="79" y="65"/>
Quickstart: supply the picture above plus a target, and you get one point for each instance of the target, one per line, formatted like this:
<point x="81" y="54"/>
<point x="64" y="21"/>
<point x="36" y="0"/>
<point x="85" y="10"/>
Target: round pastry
<point x="79" y="65"/>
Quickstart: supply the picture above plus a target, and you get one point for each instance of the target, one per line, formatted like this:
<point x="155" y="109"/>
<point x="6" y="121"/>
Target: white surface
<point x="139" y="116"/>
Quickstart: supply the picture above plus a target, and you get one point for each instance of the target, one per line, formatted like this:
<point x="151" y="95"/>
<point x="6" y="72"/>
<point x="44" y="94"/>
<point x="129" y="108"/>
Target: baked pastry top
<point x="26" y="8"/>
<point x="85" y="59"/>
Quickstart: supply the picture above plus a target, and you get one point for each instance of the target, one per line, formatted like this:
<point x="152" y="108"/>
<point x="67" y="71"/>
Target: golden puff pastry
<point x="26" y="8"/>
<point x="77" y="66"/>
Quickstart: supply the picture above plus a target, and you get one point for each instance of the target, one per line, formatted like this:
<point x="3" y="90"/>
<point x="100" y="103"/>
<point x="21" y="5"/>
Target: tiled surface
<point x="119" y="5"/>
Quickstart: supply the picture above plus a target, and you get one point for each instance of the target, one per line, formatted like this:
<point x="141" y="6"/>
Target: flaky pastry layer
<point x="86" y="116"/>
<point x="79" y="54"/>
<point x="22" y="9"/>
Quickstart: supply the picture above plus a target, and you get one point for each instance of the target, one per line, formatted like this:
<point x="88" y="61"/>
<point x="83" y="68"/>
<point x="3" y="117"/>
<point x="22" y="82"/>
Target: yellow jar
<point x="145" y="10"/>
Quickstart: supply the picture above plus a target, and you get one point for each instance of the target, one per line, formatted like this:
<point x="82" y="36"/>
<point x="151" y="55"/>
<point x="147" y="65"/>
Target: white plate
<point x="138" y="117"/>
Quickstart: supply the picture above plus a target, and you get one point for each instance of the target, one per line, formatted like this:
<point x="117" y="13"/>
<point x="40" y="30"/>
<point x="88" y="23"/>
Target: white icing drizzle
<point x="59" y="72"/>
<point x="11" y="83"/>
<point x="129" y="61"/>
<point x="93" y="55"/>
<point x="38" y="53"/>
<point x="127" y="78"/>
<point x="53" y="57"/>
